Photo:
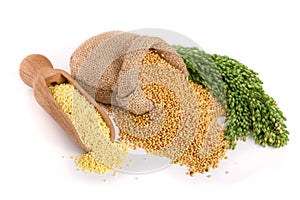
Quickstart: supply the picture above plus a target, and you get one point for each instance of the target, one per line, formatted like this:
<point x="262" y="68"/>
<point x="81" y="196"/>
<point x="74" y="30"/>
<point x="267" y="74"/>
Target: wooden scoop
<point x="37" y="72"/>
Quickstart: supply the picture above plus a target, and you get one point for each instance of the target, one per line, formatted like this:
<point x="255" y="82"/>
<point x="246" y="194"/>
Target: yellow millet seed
<point x="161" y="138"/>
<point x="88" y="163"/>
<point x="92" y="130"/>
<point x="115" y="173"/>
<point x="152" y="57"/>
<point x="63" y="94"/>
<point x="209" y="146"/>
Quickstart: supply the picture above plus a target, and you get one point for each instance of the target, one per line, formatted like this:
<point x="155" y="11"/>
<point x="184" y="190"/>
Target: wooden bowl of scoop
<point x="37" y="72"/>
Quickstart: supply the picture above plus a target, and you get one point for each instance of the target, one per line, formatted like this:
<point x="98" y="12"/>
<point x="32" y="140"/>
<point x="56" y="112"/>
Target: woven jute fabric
<point x="107" y="67"/>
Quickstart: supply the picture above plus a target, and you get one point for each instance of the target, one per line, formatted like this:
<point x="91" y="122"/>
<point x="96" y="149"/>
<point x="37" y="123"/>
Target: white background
<point x="264" y="35"/>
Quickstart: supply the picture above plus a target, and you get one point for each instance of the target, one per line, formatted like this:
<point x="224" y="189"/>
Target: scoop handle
<point x="32" y="66"/>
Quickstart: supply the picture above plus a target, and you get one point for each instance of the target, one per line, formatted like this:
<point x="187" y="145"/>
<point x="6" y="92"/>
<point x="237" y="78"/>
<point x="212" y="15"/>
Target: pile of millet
<point x="206" y="147"/>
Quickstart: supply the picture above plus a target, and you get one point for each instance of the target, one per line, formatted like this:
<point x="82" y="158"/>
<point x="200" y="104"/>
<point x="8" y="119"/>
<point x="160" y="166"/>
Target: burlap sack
<point x="107" y="67"/>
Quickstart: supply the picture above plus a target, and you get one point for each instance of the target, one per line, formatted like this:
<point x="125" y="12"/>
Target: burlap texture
<point x="107" y="67"/>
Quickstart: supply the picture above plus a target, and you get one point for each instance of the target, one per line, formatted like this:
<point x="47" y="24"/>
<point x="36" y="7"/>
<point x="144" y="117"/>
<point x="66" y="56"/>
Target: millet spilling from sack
<point x="154" y="104"/>
<point x="167" y="100"/>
